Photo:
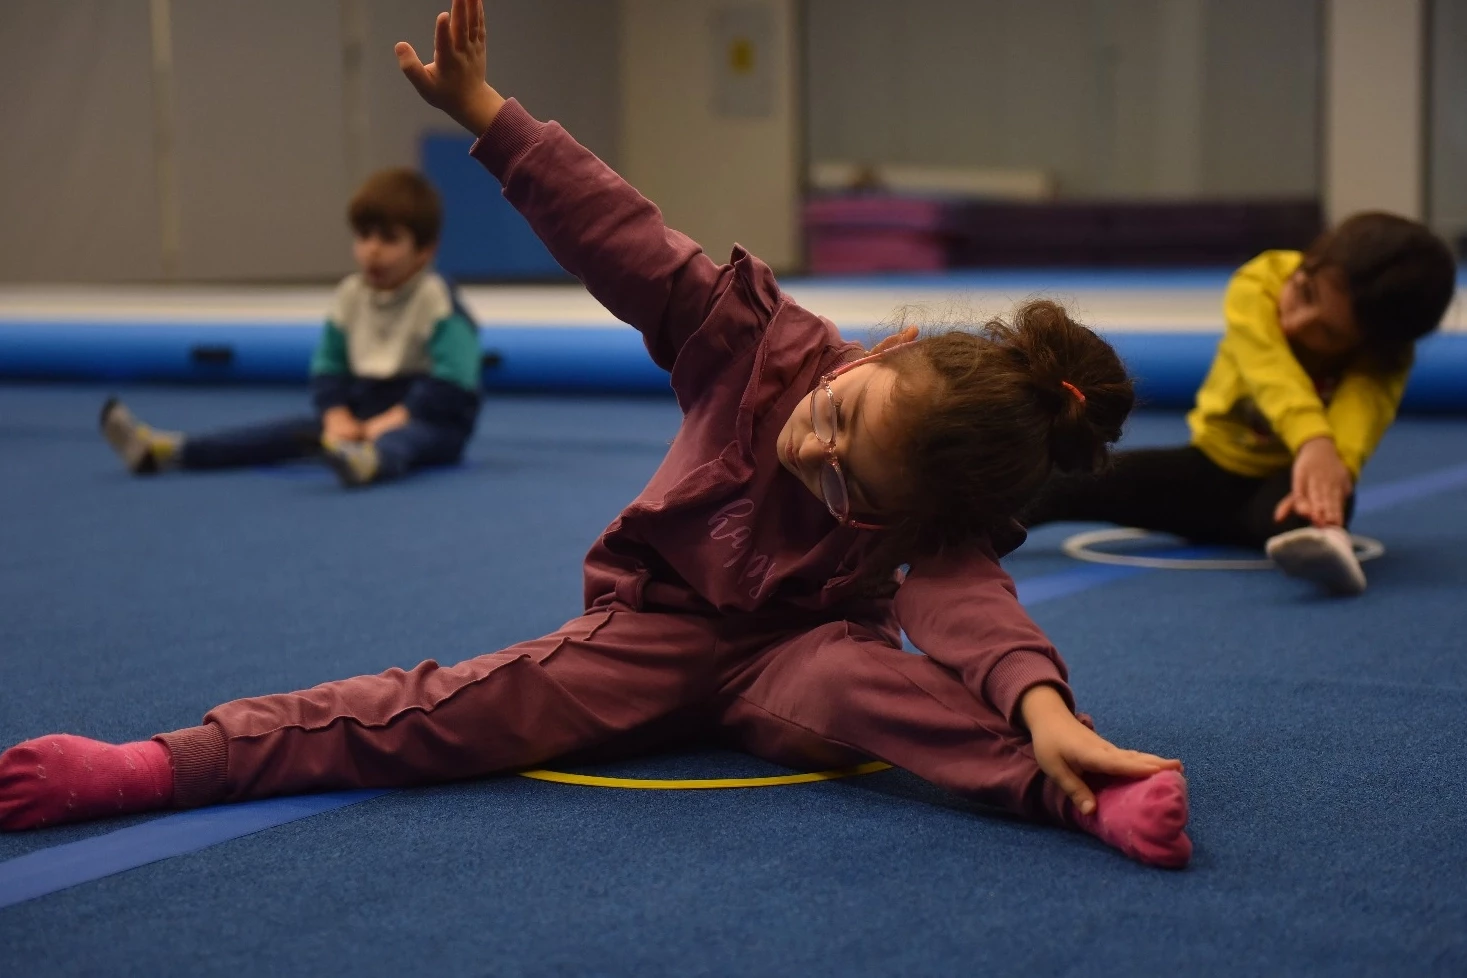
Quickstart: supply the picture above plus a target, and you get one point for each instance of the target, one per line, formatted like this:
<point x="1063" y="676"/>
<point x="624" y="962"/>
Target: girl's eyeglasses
<point x="825" y="421"/>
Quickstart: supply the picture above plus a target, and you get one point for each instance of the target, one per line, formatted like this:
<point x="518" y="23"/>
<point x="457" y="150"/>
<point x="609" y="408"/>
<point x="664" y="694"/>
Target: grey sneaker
<point x="354" y="462"/>
<point x="142" y="449"/>
<point x="1325" y="556"/>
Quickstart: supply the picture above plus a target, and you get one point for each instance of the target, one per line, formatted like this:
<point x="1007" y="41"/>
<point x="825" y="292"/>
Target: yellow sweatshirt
<point x="1258" y="405"/>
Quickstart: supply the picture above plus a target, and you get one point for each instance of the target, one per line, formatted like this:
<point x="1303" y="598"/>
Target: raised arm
<point x="595" y="224"/>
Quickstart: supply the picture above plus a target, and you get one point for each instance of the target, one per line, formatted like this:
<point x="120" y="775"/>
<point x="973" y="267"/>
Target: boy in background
<point x="395" y="377"/>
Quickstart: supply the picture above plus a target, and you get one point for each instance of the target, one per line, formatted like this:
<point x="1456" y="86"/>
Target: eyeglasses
<point x="825" y="421"/>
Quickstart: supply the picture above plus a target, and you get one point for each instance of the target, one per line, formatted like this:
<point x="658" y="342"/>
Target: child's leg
<point x="841" y="692"/>
<point x="145" y="450"/>
<point x="263" y="444"/>
<point x="1174" y="490"/>
<point x="417" y="444"/>
<point x="414" y="445"/>
<point x="598" y="677"/>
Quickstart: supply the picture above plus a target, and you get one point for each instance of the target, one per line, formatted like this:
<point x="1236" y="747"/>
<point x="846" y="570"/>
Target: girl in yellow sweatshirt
<point x="1309" y="374"/>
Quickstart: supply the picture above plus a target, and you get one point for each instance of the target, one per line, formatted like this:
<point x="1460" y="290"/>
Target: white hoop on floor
<point x="1080" y="546"/>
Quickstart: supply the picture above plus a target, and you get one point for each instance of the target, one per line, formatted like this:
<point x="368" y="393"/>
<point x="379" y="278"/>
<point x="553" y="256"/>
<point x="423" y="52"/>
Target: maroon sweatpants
<point x="615" y="681"/>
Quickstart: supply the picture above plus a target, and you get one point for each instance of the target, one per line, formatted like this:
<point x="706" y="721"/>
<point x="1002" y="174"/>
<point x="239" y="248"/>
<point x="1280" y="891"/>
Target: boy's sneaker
<point x="354" y="462"/>
<point x="142" y="449"/>
<point x="1324" y="555"/>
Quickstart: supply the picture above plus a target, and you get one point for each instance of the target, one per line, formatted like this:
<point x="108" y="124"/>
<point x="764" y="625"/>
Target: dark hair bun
<point x="989" y="418"/>
<point x="1087" y="415"/>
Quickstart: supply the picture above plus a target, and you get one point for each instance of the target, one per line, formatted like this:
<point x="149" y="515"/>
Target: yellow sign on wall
<point x="742" y="39"/>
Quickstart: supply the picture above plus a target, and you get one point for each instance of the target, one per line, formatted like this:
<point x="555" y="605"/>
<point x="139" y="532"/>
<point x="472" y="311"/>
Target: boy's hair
<point x="398" y="197"/>
<point x="1400" y="278"/>
<point x="989" y="419"/>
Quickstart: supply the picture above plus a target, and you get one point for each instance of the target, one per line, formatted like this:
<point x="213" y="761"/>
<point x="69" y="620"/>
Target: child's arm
<point x="1326" y="469"/>
<point x="330" y="383"/>
<point x="963" y="613"/>
<point x="449" y="395"/>
<point x="596" y="225"/>
<point x="1362" y="409"/>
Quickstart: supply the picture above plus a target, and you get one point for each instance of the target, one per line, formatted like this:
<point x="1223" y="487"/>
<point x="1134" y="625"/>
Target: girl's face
<point x="1315" y="314"/>
<point x="865" y="442"/>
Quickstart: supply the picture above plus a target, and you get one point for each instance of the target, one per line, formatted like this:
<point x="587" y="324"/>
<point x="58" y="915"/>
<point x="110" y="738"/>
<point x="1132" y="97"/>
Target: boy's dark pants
<point x="416" y="444"/>
<point x="1173" y="490"/>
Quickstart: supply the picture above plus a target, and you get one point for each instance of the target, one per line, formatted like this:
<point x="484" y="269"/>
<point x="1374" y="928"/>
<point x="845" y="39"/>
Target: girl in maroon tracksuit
<point x="752" y="590"/>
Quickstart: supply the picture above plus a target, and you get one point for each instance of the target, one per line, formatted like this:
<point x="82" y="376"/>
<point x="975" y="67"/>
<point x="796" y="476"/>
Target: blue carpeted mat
<point x="1324" y="739"/>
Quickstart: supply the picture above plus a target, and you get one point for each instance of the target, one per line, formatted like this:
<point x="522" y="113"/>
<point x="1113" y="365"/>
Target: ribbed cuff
<point x="1017" y="673"/>
<point x="511" y="133"/>
<point x="200" y="758"/>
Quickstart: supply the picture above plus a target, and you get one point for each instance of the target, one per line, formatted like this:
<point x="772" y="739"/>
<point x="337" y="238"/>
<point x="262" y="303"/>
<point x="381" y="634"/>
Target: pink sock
<point x="60" y="778"/>
<point x="1145" y="819"/>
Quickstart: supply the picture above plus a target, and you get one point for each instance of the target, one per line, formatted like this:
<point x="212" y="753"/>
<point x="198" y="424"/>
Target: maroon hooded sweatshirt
<point x="725" y="588"/>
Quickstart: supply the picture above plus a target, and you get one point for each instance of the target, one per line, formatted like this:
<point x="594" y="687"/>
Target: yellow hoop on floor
<point x="663" y="784"/>
<point x="1081" y="547"/>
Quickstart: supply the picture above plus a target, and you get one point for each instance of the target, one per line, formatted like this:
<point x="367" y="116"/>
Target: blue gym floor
<point x="1325" y="740"/>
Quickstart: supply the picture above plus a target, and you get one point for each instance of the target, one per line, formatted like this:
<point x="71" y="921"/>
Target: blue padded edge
<point x="581" y="359"/>
<point x="483" y="237"/>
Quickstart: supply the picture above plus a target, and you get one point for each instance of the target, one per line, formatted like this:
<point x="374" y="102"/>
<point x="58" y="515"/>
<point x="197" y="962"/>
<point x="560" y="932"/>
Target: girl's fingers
<point x="1121" y="766"/>
<point x="1302" y="507"/>
<point x="1128" y="763"/>
<point x="458" y="24"/>
<point x="476" y="21"/>
<point x="442" y="39"/>
<point x="1282" y="510"/>
<point x="1319" y="499"/>
<point x="1166" y="763"/>
<point x="1075" y="789"/>
<point x="412" y="67"/>
<point x="1326" y="508"/>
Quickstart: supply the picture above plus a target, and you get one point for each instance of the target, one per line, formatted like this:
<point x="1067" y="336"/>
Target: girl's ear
<point x="906" y="335"/>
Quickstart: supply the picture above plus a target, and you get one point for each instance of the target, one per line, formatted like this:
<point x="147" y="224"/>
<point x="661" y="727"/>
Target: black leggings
<point x="1174" y="490"/>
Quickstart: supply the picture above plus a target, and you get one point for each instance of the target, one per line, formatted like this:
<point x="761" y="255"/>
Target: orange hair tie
<point x="1073" y="390"/>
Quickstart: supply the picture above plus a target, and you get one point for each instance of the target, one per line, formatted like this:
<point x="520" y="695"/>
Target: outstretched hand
<point x="1321" y="485"/>
<point x="454" y="82"/>
<point x="1067" y="750"/>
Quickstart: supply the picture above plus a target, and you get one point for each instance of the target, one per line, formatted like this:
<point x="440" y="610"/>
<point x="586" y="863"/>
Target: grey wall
<point x="1447" y="123"/>
<point x="78" y="193"/>
<point x="1114" y="97"/>
<point x="264" y="165"/>
<point x="1261" y="107"/>
<point x="261" y="159"/>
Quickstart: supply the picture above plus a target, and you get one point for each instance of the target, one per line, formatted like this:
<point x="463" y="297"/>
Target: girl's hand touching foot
<point x="1067" y="750"/>
<point x="454" y="83"/>
<point x="1139" y="802"/>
